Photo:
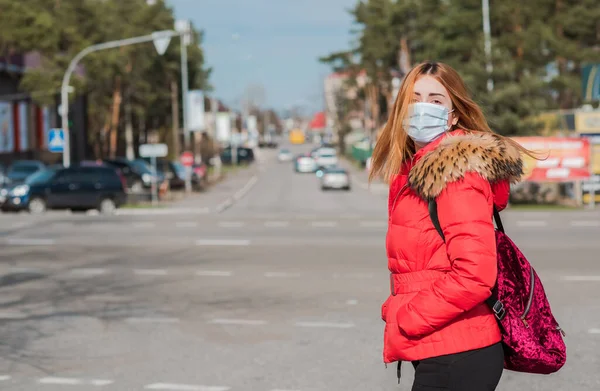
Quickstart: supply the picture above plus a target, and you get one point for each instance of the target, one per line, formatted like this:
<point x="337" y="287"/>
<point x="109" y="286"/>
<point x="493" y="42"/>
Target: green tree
<point x="133" y="76"/>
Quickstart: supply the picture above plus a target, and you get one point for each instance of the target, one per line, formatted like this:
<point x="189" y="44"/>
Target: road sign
<point x="161" y="41"/>
<point x="56" y="140"/>
<point x="187" y="159"/>
<point x="154" y="150"/>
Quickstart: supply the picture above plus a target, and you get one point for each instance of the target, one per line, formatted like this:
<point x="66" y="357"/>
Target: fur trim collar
<point x="484" y="153"/>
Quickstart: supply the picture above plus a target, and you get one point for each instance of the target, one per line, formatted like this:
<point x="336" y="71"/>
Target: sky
<point x="270" y="43"/>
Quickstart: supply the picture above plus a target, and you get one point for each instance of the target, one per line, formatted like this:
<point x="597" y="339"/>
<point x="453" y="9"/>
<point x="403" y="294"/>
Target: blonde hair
<point x="394" y="147"/>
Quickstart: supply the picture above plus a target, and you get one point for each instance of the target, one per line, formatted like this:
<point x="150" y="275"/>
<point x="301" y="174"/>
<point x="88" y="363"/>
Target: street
<point x="265" y="284"/>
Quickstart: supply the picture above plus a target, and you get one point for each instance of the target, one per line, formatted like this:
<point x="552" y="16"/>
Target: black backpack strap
<point x="433" y="214"/>
<point x="492" y="301"/>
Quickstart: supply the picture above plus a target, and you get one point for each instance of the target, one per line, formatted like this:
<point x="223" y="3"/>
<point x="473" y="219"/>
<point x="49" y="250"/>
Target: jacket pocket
<point x="384" y="308"/>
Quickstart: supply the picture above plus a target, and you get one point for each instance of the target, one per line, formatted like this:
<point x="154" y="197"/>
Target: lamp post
<point x="485" y="8"/>
<point x="161" y="41"/>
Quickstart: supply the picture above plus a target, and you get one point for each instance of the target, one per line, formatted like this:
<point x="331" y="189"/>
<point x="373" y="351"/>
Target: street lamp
<point x="161" y="42"/>
<point x="485" y="8"/>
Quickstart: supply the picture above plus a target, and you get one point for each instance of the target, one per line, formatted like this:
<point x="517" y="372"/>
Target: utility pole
<point x="175" y="115"/>
<point x="184" y="28"/>
<point x="487" y="34"/>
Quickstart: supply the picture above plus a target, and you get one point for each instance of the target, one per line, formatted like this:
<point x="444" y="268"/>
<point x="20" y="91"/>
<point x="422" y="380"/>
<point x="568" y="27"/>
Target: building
<point x="333" y="86"/>
<point x="24" y="125"/>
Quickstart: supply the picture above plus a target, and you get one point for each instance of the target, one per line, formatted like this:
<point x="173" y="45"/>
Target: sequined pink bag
<point x="532" y="338"/>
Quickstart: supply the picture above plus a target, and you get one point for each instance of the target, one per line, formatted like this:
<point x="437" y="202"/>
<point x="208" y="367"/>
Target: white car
<point x="326" y="160"/>
<point x="285" y="155"/>
<point x="305" y="164"/>
<point x="335" y="178"/>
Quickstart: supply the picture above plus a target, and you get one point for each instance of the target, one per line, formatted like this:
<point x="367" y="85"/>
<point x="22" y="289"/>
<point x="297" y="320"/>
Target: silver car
<point x="335" y="178"/>
<point x="305" y="164"/>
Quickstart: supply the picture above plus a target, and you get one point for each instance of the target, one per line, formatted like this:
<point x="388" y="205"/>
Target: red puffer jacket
<point x="438" y="289"/>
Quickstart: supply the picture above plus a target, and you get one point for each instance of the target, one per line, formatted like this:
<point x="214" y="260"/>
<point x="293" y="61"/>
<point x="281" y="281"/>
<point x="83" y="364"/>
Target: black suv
<point x="75" y="188"/>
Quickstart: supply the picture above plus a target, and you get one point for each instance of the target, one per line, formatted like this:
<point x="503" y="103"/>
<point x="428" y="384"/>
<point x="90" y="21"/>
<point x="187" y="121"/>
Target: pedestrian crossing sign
<point x="56" y="140"/>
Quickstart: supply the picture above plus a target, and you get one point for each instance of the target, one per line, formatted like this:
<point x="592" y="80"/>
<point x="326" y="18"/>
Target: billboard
<point x="562" y="159"/>
<point x="587" y="121"/>
<point x="223" y="127"/>
<point x="6" y="128"/>
<point x="23" y="126"/>
<point x="196" y="111"/>
<point x="590" y="80"/>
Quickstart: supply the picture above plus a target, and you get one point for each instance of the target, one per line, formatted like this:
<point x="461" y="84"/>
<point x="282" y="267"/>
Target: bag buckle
<point x="499" y="310"/>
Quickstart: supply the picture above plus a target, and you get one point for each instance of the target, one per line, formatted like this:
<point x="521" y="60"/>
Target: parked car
<point x="138" y="174"/>
<point x="244" y="155"/>
<point x="75" y="188"/>
<point x="19" y="170"/>
<point x="3" y="178"/>
<point x="175" y="173"/>
<point x="335" y="178"/>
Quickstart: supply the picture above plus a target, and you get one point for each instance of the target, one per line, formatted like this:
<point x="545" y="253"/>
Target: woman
<point x="438" y="145"/>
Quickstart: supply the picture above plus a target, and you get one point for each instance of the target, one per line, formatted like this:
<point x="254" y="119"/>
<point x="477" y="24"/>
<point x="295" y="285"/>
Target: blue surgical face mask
<point x="426" y="121"/>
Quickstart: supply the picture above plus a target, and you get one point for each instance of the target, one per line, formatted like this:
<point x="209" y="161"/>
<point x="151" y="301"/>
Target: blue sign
<point x="56" y="140"/>
<point x="590" y="78"/>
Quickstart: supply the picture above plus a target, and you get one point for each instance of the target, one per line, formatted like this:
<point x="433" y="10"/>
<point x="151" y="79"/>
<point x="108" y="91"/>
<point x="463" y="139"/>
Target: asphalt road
<point x="262" y="284"/>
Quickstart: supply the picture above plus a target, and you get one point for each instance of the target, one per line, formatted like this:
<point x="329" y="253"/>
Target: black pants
<point x="475" y="370"/>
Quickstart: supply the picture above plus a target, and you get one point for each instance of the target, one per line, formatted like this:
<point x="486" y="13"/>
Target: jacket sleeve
<point x="465" y="215"/>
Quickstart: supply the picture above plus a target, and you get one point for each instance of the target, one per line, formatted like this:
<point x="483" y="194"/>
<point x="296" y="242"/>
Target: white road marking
<point x="374" y="224"/>
<point x="213" y="273"/>
<point x="152" y="320"/>
<point x="324" y="224"/>
<point x="60" y="380"/>
<point x="151" y="272"/>
<point x="352" y="302"/>
<point x="277" y="224"/>
<point x="581" y="278"/>
<point x="5" y="377"/>
<point x="89" y="272"/>
<point x="143" y="224"/>
<point x="62" y="225"/>
<point x="100" y="383"/>
<point x="186" y="224"/>
<point x="12" y="315"/>
<point x="30" y="242"/>
<point x="247" y="187"/>
<point x="184" y="387"/>
<point x="585" y="223"/>
<point x="161" y="211"/>
<point x="231" y="224"/>
<point x="224" y="205"/>
<point x="222" y="242"/>
<point x="242" y="322"/>
<point x="594" y="331"/>
<point x="354" y="275"/>
<point x="325" y="325"/>
<point x="281" y="274"/>
<point x="17" y="269"/>
<point x="532" y="223"/>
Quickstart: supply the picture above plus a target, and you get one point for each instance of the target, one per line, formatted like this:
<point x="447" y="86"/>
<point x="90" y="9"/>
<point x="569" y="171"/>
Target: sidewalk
<point x="217" y="196"/>
<point x="214" y="199"/>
